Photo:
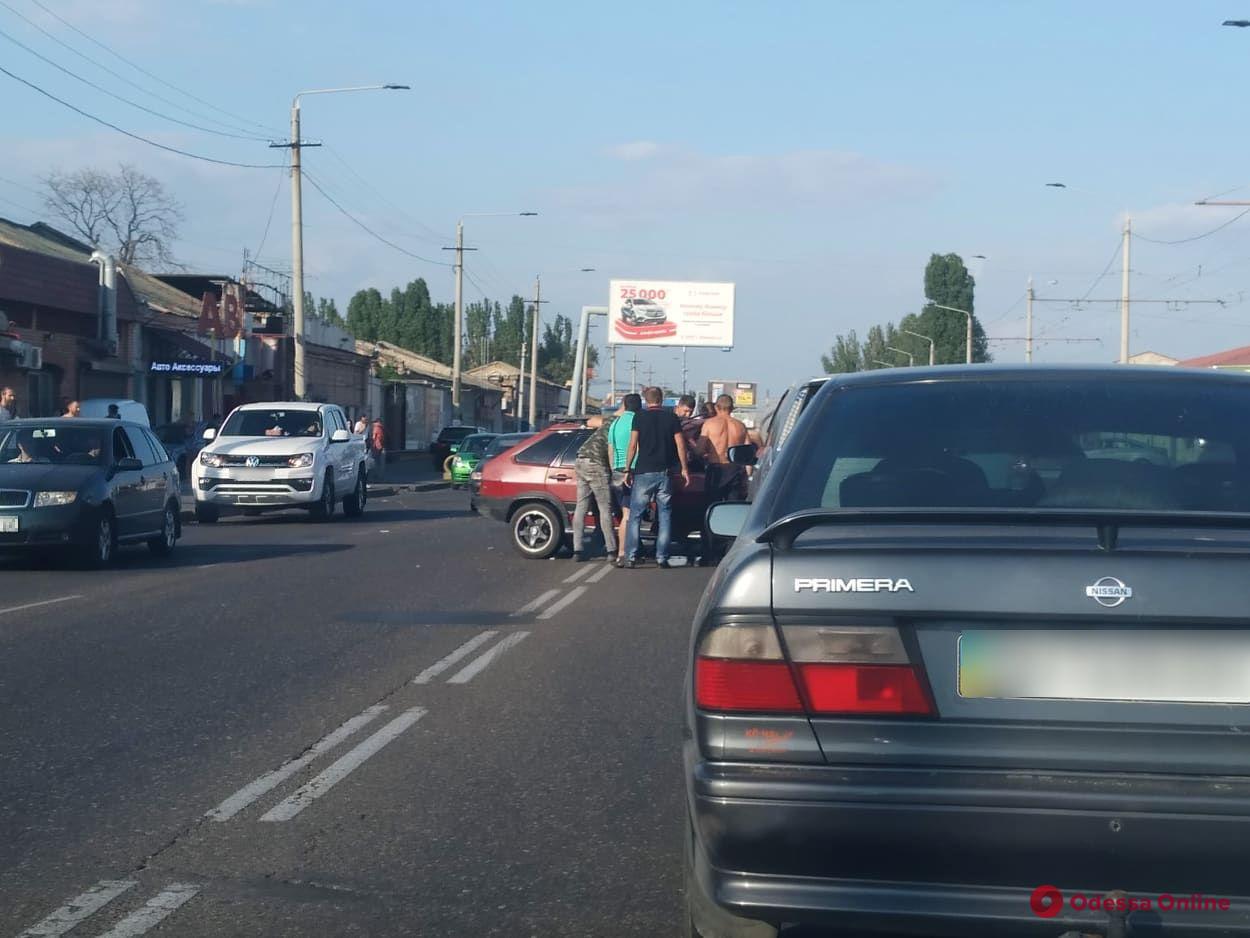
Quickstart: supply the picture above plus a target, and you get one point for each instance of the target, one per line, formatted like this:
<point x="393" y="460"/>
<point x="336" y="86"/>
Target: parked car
<point x="498" y="446"/>
<point x="126" y="409"/>
<point x="468" y="455"/>
<point x="86" y="486"/>
<point x="182" y="443"/>
<point x="638" y="312"/>
<point x="281" y="455"/>
<point x="533" y="489"/>
<point x="929" y="678"/>
<point x="447" y="442"/>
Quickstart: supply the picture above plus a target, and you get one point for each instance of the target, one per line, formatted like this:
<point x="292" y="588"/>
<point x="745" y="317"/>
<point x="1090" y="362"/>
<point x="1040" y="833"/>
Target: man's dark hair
<point x="653" y="395"/>
<point x="632" y="402"/>
<point x="709" y="409"/>
<point x="687" y="400"/>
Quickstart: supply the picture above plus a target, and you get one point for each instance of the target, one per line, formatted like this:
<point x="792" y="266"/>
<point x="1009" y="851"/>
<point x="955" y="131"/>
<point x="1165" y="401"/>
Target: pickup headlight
<point x="212" y="460"/>
<point x="302" y="461"/>
<point x="49" y="499"/>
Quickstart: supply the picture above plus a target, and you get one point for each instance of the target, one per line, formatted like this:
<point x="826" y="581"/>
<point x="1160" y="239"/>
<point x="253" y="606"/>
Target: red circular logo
<point x="1046" y="901"/>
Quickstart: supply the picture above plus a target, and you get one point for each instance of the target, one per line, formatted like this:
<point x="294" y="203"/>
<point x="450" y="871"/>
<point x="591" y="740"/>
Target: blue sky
<point x="813" y="153"/>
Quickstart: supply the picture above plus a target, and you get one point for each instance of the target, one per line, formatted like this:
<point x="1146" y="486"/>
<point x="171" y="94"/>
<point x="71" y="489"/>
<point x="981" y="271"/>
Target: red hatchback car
<point x="533" y="489"/>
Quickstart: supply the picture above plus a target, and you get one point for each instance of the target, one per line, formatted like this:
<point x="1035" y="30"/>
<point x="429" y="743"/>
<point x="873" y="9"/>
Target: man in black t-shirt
<point x="660" y="447"/>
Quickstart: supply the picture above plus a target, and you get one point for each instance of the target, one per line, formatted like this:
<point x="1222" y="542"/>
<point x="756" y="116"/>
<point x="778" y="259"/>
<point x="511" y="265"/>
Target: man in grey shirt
<point x="8" y="405"/>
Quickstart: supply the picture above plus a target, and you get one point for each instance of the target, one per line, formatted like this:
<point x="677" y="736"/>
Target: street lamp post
<point x="297" y="225"/>
<point x="956" y="309"/>
<point x="877" y="361"/>
<point x="911" y="359"/>
<point x="458" y="329"/>
<point x="538" y="301"/>
<point x="932" y="345"/>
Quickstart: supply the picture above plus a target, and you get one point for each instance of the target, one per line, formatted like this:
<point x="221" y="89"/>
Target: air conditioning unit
<point x="31" y="358"/>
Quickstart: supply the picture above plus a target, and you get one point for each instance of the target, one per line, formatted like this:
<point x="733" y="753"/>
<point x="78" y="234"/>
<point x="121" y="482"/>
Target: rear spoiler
<point x="782" y="532"/>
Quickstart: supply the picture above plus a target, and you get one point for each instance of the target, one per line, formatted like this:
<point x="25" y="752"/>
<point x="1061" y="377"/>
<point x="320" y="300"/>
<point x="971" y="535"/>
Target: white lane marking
<point x="343" y="767"/>
<point x="574" y="595"/>
<point x="154" y="911"/>
<point x="270" y="780"/>
<point x="480" y="664"/>
<point x="607" y="568"/>
<point x="79" y="908"/>
<point x="578" y="575"/>
<point x="42" y="602"/>
<point x="464" y="650"/>
<point x="541" y="600"/>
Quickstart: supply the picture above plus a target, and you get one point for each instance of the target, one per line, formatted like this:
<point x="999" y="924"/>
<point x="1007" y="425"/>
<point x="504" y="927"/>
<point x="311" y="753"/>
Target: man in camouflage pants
<point x="594" y="477"/>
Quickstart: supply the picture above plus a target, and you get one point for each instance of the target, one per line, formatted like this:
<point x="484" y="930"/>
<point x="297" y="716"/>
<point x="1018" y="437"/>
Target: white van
<point x="127" y="410"/>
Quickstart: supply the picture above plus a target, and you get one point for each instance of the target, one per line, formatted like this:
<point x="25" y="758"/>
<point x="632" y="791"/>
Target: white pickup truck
<point x="281" y="455"/>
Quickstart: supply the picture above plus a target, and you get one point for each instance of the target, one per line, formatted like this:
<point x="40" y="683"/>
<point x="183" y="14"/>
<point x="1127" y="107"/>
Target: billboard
<point x="666" y="312"/>
<point x="744" y="393"/>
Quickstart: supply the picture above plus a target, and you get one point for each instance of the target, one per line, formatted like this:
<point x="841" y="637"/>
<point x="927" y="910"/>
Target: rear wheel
<point x="324" y="509"/>
<point x="354" y="504"/>
<point x="163" y="545"/>
<point x="98" y="552"/>
<point x="704" y="918"/>
<point x="536" y="531"/>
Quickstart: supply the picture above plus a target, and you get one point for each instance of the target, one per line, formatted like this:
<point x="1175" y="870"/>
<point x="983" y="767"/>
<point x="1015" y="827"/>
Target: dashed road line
<point x="343" y="767"/>
<point x="578" y="575"/>
<point x="79" y="909"/>
<point x="481" y="663"/>
<point x="154" y="911"/>
<point x="573" y="596"/>
<point x="607" y="568"/>
<point x="463" y="651"/>
<point x="270" y="780"/>
<point x="540" y="601"/>
<point x="36" y="605"/>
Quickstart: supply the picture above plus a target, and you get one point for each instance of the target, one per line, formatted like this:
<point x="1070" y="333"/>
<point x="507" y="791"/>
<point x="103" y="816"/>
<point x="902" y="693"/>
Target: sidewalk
<point x="405" y="472"/>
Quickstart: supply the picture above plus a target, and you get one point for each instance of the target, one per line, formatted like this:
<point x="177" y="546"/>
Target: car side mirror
<point x="455" y="447"/>
<point x="129" y="464"/>
<point x="726" y="519"/>
<point x="747" y="454"/>
<point x="209" y="434"/>
<point x="340" y="436"/>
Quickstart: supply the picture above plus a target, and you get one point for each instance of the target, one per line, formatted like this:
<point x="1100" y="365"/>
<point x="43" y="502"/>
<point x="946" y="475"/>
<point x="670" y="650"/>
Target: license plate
<point x="8" y="524"/>
<point x="1200" y="666"/>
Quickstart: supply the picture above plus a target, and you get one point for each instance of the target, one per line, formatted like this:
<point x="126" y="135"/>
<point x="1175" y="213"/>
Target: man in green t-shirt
<point x="618" y="447"/>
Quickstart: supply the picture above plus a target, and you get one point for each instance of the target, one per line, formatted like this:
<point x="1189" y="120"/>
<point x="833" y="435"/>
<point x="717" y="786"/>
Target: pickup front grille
<point x="282" y="461"/>
<point x="14" y="498"/>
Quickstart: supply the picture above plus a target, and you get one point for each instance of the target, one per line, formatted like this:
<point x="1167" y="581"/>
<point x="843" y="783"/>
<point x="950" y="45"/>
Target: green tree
<point x="846" y="355"/>
<point x="947" y="282"/>
<point x="364" y="314"/>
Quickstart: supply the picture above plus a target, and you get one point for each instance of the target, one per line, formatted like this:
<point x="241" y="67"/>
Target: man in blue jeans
<point x="656" y="447"/>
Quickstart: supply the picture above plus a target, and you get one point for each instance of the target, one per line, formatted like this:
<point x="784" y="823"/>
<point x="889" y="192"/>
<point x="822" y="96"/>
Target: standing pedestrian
<point x="618" y="449"/>
<point x="594" y="475"/>
<point x="73" y="409"/>
<point x="377" y="443"/>
<point x="8" y="405"/>
<point x="115" y="412"/>
<point x="362" y="424"/>
<point x="726" y="482"/>
<point x="658" y="444"/>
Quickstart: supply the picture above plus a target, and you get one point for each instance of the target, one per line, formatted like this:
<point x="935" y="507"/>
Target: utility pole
<point x="520" y="381"/>
<point x="1028" y="324"/>
<point x="538" y="298"/>
<point x="613" y="374"/>
<point x="297" y="255"/>
<point x="458" y="340"/>
<point x="633" y="373"/>
<point x="1128" y="238"/>
<point x="683" y="369"/>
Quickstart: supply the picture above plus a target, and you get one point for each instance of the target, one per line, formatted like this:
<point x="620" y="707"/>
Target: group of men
<point x="8" y="407"/>
<point x="630" y="461"/>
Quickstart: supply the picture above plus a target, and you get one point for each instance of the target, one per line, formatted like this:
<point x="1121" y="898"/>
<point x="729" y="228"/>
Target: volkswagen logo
<point x="254" y="461"/>
<point x="1108" y="592"/>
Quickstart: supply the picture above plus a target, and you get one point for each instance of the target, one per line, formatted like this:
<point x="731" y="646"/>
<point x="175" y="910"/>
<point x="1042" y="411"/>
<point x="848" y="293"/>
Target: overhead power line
<point x="1205" y="234"/>
<point x="363" y="227"/>
<point x="269" y="221"/>
<point x="137" y="67"/>
<point x="134" y="136"/>
<point x="118" y="97"/>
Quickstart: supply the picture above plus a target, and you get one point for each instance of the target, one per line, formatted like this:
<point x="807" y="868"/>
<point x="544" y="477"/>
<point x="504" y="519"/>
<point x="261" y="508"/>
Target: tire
<point x="703" y="918"/>
<point x="206" y="514"/>
<point x="98" y="553"/>
<point x="354" y="504"/>
<point x="536" y="531"/>
<point x="324" y="509"/>
<point x="163" y="545"/>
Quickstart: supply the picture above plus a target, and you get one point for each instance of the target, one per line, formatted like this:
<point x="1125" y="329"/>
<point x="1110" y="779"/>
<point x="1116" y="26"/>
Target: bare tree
<point x="127" y="211"/>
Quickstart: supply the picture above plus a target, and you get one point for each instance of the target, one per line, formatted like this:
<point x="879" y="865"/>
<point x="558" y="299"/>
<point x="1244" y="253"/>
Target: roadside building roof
<point x="1232" y="358"/>
<point x="408" y="362"/>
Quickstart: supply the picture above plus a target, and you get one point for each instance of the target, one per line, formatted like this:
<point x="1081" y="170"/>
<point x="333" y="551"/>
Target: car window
<point x="577" y="438"/>
<point x="1078" y="443"/>
<point x="455" y="434"/>
<point x="140" y="446"/>
<point x="121" y="446"/>
<point x="544" y="450"/>
<point x="56" y="445"/>
<point x="505" y="442"/>
<point x="302" y="422"/>
<point x="162" y="454"/>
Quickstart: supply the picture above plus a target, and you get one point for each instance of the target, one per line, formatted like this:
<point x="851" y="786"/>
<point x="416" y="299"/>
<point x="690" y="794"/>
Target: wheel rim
<point x="104" y="540"/>
<point x="171" y="528"/>
<point x="533" y="531"/>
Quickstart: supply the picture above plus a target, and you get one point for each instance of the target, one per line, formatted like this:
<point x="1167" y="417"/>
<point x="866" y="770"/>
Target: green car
<point x="468" y="455"/>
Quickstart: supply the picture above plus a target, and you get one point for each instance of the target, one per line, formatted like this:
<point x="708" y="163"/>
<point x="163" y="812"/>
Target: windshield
<point x="1067" y="443"/>
<point x="475" y="445"/>
<point x="306" y="423"/>
<point x="454" y="434"/>
<point x="78" y="446"/>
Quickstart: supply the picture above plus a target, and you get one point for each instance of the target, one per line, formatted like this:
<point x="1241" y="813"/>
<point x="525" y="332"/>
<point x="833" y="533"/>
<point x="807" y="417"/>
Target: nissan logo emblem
<point x="1108" y="592"/>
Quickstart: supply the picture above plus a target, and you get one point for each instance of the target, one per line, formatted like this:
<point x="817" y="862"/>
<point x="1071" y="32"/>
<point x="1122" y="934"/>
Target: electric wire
<point x="1205" y="234"/>
<point x="269" y="221"/>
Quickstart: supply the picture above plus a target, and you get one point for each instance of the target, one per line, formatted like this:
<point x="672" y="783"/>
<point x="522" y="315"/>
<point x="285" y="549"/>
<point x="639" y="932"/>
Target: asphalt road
<point x="379" y="727"/>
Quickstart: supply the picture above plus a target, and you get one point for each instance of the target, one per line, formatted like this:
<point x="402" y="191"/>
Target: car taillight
<point x="852" y="670"/>
<point x="741" y="668"/>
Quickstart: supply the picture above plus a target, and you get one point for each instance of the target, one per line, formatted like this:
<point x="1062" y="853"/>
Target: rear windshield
<point x="273" y="423"/>
<point x="501" y="443"/>
<point x="454" y="434"/>
<point x="1179" y="444"/>
<point x="475" y="445"/>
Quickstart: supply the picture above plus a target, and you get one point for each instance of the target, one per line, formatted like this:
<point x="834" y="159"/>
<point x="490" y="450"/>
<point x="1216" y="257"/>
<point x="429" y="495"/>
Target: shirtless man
<point x="725" y="481"/>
